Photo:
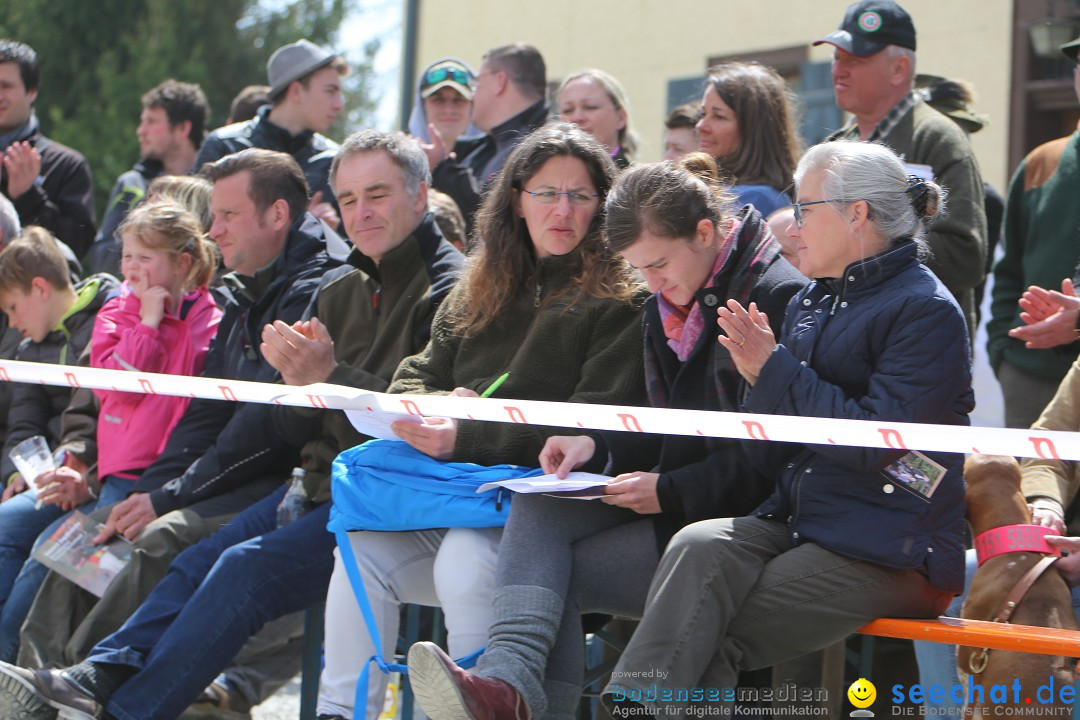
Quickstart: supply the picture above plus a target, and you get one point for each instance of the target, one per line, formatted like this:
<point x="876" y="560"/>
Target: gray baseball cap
<point x="294" y="61"/>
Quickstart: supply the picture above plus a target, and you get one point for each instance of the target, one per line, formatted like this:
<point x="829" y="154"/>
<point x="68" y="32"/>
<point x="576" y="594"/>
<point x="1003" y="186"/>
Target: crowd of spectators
<point x="506" y="236"/>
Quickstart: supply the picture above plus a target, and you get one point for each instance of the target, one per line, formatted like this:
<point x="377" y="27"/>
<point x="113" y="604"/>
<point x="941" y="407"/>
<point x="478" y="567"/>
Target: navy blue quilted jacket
<point x="884" y="342"/>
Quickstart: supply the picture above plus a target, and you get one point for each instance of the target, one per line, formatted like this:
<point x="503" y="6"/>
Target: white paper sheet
<point x="579" y="485"/>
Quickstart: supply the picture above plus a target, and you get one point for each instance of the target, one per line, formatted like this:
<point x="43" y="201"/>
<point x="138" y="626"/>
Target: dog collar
<point x="1014" y="538"/>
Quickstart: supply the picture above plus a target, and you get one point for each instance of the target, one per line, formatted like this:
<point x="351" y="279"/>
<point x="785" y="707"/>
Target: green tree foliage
<point x="98" y="58"/>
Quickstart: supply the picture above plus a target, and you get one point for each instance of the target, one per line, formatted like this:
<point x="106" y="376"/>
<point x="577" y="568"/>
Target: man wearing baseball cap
<point x="508" y="104"/>
<point x="441" y="117"/>
<point x="873" y="75"/>
<point x="305" y="97"/>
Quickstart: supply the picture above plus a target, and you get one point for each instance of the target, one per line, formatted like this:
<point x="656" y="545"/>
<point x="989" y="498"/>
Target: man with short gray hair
<point x="873" y="74"/>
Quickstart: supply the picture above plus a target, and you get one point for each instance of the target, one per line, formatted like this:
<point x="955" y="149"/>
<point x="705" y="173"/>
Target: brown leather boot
<point x="446" y="692"/>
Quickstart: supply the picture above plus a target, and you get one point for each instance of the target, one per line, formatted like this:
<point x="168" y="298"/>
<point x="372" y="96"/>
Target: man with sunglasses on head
<point x="441" y="118"/>
<point x="508" y="104"/>
<point x="873" y="73"/>
<point x="305" y="98"/>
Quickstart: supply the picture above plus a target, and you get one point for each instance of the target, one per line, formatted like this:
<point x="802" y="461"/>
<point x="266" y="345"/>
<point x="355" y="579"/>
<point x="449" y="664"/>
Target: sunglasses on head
<point x="440" y="74"/>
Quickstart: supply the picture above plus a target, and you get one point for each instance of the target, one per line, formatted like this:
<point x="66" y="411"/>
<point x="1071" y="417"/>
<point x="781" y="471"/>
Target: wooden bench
<point x="979" y="633"/>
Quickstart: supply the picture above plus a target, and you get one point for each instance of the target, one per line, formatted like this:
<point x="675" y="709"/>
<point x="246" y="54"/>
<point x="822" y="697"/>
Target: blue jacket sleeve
<point x="919" y="359"/>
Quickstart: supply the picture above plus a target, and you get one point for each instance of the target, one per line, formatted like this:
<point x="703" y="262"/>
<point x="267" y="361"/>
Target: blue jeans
<point x="215" y="596"/>
<point x="22" y="528"/>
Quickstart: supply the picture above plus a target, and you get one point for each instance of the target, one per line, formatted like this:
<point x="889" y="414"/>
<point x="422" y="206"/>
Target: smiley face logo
<point x="862" y="693"/>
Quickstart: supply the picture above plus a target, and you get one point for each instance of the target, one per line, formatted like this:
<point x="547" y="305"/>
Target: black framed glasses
<point x="439" y="74"/>
<point x="797" y="207"/>
<point x="550" y="197"/>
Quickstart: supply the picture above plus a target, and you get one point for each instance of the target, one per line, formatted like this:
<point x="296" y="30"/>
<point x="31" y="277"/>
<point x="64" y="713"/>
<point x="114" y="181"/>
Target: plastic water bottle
<point x="295" y="504"/>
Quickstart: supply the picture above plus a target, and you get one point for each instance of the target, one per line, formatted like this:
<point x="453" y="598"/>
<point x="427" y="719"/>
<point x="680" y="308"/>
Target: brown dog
<point x="994" y="500"/>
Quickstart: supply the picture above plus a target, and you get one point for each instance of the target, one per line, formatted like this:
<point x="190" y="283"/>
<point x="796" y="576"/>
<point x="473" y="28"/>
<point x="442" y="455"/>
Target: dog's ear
<point x="980" y="467"/>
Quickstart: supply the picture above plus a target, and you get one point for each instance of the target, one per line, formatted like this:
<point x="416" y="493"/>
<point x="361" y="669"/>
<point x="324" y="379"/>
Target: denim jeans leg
<point x="271" y="574"/>
<point x="32" y="574"/>
<point x="132" y="643"/>
<point x="937" y="661"/>
<point x="20" y="525"/>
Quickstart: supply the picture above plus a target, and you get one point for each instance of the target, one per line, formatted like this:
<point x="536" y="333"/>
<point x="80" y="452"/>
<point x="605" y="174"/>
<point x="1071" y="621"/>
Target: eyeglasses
<point x="550" y="197"/>
<point x="797" y="207"/>
<point x="457" y="75"/>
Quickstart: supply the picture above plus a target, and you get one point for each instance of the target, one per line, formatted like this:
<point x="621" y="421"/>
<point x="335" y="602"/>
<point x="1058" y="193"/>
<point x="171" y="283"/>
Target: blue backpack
<point x="388" y="485"/>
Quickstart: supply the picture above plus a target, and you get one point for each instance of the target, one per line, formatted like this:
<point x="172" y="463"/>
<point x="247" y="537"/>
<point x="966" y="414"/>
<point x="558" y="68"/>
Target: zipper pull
<point x="539" y="289"/>
<point x="498" y="500"/>
<point x="375" y="301"/>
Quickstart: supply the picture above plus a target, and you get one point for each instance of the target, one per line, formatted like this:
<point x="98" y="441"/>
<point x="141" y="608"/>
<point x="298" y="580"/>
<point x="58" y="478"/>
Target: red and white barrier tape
<point x="1050" y="445"/>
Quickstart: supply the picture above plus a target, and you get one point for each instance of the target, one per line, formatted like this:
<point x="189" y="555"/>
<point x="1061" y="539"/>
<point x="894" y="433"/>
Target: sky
<point x="381" y="19"/>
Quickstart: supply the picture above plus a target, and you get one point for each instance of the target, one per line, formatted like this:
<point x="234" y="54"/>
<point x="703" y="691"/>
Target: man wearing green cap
<point x="873" y="75"/>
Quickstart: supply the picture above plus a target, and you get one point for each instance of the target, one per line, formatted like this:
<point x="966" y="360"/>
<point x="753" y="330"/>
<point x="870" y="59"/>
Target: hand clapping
<point x="747" y="336"/>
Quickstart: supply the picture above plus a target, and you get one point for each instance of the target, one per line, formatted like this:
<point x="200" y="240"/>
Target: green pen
<point x="495" y="385"/>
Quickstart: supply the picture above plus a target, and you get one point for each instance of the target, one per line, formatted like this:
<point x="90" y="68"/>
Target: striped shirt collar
<point x="888" y="123"/>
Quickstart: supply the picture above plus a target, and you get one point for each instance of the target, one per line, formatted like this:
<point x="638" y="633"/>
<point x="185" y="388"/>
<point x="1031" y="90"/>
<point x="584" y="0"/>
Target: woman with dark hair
<point x="748" y="125"/>
<point x="559" y="558"/>
<point x="542" y="299"/>
<point x="846" y="537"/>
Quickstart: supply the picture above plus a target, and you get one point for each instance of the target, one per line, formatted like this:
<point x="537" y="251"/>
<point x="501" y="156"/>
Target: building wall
<point x="646" y="43"/>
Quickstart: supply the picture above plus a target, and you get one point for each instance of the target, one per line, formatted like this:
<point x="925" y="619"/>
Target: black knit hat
<point x="871" y="25"/>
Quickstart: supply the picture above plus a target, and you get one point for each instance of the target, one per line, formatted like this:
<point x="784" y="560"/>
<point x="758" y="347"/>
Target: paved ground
<point x="284" y="705"/>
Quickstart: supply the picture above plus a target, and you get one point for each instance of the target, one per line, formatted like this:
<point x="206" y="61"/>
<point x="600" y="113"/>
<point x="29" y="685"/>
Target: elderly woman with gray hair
<point x="846" y="536"/>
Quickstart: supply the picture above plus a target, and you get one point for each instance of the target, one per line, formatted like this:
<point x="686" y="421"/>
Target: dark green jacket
<point x="958" y="239"/>
<point x="1042" y="246"/>
<point x="377" y="315"/>
<point x="572" y="349"/>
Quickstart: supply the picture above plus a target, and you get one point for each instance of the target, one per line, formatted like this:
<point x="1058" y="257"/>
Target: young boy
<point x="55" y="319"/>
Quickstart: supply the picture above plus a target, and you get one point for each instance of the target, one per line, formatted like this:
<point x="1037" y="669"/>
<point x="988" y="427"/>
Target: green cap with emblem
<point x="870" y="26"/>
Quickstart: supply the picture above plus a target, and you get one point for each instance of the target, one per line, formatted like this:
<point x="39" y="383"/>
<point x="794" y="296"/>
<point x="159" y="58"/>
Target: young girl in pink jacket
<point x="162" y="322"/>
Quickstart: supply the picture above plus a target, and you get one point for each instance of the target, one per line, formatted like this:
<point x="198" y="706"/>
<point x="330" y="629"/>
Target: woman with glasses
<point x="442" y="110"/>
<point x="561" y="558"/>
<point x="748" y="125"/>
<point x="596" y="102"/>
<point x="848" y="535"/>
<point x="544" y="302"/>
